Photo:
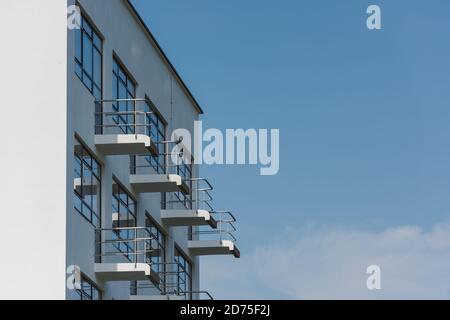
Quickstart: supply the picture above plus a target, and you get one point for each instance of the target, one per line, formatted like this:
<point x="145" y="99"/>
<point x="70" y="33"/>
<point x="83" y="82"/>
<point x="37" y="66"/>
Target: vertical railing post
<point x="135" y="247"/>
<point x="197" y="194"/>
<point x="135" y="120"/>
<point x="178" y="278"/>
<point x="220" y="225"/>
<point x="166" y="156"/>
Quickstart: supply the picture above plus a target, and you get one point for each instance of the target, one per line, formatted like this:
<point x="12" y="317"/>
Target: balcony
<point x="150" y="183"/>
<point x="180" y="218"/>
<point x="169" y="171"/>
<point x="173" y="285"/>
<point x="191" y="211"/>
<point x="220" y="241"/>
<point x="122" y="129"/>
<point x="123" y="254"/>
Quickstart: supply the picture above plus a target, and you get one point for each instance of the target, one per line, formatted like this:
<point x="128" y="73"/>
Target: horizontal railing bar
<point x="140" y="240"/>
<point x="123" y="100"/>
<point x="215" y="233"/>
<point x="225" y="212"/>
<point x="120" y="125"/>
<point x="123" y="228"/>
<point x="116" y="113"/>
<point x="113" y="253"/>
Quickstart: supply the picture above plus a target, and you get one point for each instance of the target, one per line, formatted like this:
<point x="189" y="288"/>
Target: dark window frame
<point x="117" y="200"/>
<point x="121" y="76"/>
<point x="87" y="74"/>
<point x="185" y="172"/>
<point x="157" y="231"/>
<point x="187" y="268"/>
<point x="85" y="165"/>
<point x="157" y="133"/>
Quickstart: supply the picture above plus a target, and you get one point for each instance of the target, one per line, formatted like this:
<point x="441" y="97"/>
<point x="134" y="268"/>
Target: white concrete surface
<point x="177" y="217"/>
<point x="124" y="144"/>
<point x="124" y="271"/>
<point x="148" y="183"/>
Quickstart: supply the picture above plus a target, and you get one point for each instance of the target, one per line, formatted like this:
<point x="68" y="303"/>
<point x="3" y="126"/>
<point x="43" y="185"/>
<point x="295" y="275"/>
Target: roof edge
<point x="163" y="55"/>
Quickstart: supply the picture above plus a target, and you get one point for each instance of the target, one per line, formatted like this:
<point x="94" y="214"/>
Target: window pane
<point x="130" y="86"/>
<point x="122" y="94"/>
<point x="114" y="86"/>
<point x="97" y="68"/>
<point x="87" y="27"/>
<point x="78" y="44"/>
<point x="87" y="55"/>
<point x="87" y="81"/>
<point x="97" y="42"/>
<point x="98" y="96"/>
<point x="122" y="75"/>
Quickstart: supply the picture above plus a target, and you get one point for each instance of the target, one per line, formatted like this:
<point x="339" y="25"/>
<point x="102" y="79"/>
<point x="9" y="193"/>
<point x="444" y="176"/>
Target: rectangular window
<point x="185" y="276"/>
<point x="124" y="219"/>
<point x="88" y="58"/>
<point x="184" y="170"/>
<point x="157" y="256"/>
<point x="88" y="291"/>
<point x="87" y="185"/>
<point x="157" y="132"/>
<point x="123" y="88"/>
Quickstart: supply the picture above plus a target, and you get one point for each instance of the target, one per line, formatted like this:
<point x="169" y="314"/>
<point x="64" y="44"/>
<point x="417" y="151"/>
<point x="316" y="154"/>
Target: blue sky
<point x="364" y="127"/>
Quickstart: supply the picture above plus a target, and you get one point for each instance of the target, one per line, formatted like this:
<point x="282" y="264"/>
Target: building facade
<point x="138" y="214"/>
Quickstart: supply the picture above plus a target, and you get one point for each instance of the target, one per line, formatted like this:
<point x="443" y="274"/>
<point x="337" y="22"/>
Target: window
<point x="88" y="291"/>
<point x="87" y="185"/>
<point x="184" y="170"/>
<point x="124" y="218"/>
<point x="185" y="277"/>
<point x="123" y="88"/>
<point x="88" y="58"/>
<point x="157" y="256"/>
<point x="157" y="134"/>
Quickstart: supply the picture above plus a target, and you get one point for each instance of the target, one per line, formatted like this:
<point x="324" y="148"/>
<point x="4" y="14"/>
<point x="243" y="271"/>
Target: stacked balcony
<point x="169" y="171"/>
<point x="172" y="286"/>
<point x="214" y="232"/>
<point x="194" y="210"/>
<point x="218" y="241"/>
<point x="123" y="254"/>
<point x="122" y="128"/>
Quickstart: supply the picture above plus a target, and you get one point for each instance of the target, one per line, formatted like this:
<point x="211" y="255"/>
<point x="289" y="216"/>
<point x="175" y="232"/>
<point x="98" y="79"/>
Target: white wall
<point x="33" y="149"/>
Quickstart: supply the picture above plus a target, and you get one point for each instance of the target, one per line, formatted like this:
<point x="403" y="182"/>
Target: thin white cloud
<point x="332" y="264"/>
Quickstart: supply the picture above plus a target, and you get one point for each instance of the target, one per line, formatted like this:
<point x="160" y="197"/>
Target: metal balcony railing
<point x="200" y="197"/>
<point x="170" y="160"/>
<point x="125" y="244"/>
<point x="124" y="116"/>
<point x="174" y="281"/>
<point x="225" y="230"/>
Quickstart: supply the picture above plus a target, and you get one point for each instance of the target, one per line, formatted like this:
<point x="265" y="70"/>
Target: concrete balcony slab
<point x="125" y="144"/>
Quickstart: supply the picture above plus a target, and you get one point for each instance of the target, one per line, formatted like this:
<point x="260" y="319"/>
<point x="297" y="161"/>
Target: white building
<point x="94" y="187"/>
